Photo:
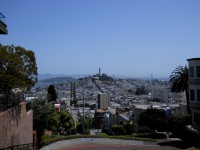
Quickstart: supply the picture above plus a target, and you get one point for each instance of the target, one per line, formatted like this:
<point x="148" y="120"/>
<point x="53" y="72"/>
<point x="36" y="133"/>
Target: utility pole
<point x="82" y="82"/>
<point x="83" y="104"/>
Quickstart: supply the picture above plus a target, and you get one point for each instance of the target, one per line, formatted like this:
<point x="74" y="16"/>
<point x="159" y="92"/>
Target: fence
<point x="10" y="101"/>
<point x="29" y="146"/>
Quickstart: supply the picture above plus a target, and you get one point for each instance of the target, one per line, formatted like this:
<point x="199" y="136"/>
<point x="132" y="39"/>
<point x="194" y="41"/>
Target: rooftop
<point x="193" y="59"/>
<point x="3" y="26"/>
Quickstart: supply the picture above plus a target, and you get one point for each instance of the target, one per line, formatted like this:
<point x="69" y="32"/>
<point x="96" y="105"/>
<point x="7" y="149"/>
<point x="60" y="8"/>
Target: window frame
<point x="192" y="96"/>
<point x="191" y="71"/>
<point x="198" y="71"/>
<point x="198" y="95"/>
<point x="196" y="117"/>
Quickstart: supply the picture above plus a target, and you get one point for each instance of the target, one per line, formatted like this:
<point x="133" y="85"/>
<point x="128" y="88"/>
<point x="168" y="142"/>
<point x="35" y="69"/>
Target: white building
<point x="194" y="90"/>
<point x="164" y="95"/>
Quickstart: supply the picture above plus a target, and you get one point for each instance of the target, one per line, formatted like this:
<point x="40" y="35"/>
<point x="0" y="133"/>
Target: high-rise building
<point x="194" y="90"/>
<point x="103" y="101"/>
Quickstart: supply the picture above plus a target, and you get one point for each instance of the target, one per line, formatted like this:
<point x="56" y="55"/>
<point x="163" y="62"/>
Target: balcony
<point x="3" y="26"/>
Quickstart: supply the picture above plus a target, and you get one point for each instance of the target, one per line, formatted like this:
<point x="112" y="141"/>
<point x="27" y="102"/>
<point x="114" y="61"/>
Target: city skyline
<point x="124" y="38"/>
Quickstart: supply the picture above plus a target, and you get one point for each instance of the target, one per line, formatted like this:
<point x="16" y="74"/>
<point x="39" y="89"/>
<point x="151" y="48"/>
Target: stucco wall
<point x="16" y="126"/>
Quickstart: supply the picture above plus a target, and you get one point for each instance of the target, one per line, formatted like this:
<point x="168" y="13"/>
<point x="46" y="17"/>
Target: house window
<point x="196" y="118"/>
<point x="191" y="71"/>
<point x="198" y="71"/>
<point x="192" y="95"/>
<point x="198" y="95"/>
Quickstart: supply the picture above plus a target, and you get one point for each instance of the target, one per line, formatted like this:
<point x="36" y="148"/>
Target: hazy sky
<point x="123" y="37"/>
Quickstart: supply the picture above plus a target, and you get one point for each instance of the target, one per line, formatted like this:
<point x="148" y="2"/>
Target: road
<point x="105" y="144"/>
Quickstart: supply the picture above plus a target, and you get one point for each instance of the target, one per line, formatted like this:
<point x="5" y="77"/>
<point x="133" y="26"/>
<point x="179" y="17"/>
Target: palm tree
<point x="179" y="82"/>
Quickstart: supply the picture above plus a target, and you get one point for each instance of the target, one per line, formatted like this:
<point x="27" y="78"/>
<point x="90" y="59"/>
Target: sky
<point x="133" y="38"/>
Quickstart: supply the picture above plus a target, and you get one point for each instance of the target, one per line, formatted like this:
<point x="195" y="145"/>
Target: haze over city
<point x="124" y="38"/>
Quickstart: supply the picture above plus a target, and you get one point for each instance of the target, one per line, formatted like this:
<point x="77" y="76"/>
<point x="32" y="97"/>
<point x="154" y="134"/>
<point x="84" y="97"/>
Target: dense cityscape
<point x="119" y="106"/>
<point x="101" y="93"/>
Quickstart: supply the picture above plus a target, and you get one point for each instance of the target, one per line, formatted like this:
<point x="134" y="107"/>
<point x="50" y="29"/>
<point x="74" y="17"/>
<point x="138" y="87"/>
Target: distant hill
<point x="55" y="80"/>
<point x="58" y="80"/>
<point x="50" y="76"/>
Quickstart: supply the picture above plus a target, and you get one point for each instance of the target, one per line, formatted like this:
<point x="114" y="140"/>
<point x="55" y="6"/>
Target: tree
<point x="62" y="122"/>
<point x="130" y="91"/>
<point x="105" y="77"/>
<point x="178" y="123"/>
<point x="155" y="119"/>
<point x="141" y="90"/>
<point x="130" y="127"/>
<point x="179" y="82"/>
<point x="52" y="96"/>
<point x="18" y="68"/>
<point x="41" y="116"/>
<point x="126" y="128"/>
<point x="119" y="129"/>
<point x="84" y="125"/>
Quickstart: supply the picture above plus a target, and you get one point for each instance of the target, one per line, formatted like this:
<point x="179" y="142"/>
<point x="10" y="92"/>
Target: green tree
<point x="18" y="68"/>
<point x="177" y="124"/>
<point x="62" y="122"/>
<point x="129" y="127"/>
<point x="179" y="82"/>
<point x="52" y="96"/>
<point x="130" y="91"/>
<point x="155" y="119"/>
<point x="126" y="128"/>
<point x="119" y="129"/>
<point x="41" y="116"/>
<point x="140" y="91"/>
<point x="105" y="77"/>
<point x="84" y="125"/>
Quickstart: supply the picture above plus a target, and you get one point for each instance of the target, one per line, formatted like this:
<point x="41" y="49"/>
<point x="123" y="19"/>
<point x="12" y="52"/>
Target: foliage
<point x="127" y="128"/>
<point x="52" y="96"/>
<point x="18" y="68"/>
<point x="140" y="91"/>
<point x="105" y="77"/>
<point x="177" y="124"/>
<point x="74" y="102"/>
<point x="41" y="116"/>
<point x="84" y="125"/>
<point x="155" y="119"/>
<point x="119" y="129"/>
<point x="130" y="91"/>
<point x="179" y="82"/>
<point x="62" y="122"/>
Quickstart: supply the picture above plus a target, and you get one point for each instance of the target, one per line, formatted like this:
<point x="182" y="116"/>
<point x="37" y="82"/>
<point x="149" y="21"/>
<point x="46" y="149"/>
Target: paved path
<point x="101" y="143"/>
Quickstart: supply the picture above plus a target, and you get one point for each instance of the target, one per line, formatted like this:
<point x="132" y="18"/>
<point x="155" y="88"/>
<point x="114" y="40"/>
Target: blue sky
<point x="123" y="37"/>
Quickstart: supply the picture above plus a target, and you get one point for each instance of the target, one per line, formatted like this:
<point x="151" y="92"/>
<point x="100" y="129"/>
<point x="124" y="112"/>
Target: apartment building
<point x="194" y="90"/>
<point x="164" y="95"/>
<point x="3" y="26"/>
<point x="103" y="101"/>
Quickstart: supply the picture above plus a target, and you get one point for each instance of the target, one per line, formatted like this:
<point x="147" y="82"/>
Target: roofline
<point x="193" y="59"/>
